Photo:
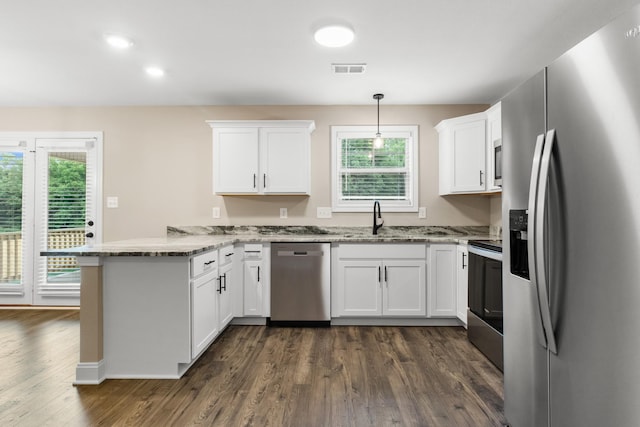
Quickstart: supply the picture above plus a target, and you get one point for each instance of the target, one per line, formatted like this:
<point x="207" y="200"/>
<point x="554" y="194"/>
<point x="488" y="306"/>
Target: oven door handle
<point x="485" y="253"/>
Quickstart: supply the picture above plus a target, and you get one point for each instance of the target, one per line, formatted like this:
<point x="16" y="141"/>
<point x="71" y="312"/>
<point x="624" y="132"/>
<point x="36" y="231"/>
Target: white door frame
<point x="30" y="143"/>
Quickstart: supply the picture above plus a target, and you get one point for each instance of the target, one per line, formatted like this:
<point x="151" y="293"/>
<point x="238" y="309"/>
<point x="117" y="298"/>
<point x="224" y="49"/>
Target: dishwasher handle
<point x="299" y="253"/>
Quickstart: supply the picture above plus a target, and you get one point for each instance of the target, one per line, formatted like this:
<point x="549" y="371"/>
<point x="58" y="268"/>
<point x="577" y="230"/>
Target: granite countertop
<point x="191" y="240"/>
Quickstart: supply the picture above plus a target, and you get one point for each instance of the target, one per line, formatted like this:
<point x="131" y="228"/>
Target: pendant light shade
<point x="378" y="142"/>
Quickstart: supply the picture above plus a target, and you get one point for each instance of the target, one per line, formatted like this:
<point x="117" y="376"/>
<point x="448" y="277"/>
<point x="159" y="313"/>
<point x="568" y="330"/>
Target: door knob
<point x="89" y="234"/>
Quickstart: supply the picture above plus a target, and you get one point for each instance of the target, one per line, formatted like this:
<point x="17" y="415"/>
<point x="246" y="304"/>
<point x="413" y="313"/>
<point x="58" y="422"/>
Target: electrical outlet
<point x="324" y="213"/>
<point x="216" y="212"/>
<point x="422" y="212"/>
<point x="283" y="212"/>
<point x="112" y="202"/>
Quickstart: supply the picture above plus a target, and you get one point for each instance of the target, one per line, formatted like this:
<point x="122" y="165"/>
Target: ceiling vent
<point x="348" y="68"/>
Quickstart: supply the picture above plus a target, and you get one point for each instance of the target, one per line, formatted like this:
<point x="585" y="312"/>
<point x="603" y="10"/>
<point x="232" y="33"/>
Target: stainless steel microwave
<point x="497" y="162"/>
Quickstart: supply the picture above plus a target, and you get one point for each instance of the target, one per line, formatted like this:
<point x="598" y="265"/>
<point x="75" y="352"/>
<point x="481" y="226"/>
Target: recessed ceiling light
<point x="118" y="42"/>
<point x="334" y="35"/>
<point x="154" y="71"/>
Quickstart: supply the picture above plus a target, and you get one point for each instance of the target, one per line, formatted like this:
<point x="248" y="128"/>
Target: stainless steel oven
<point x="484" y="318"/>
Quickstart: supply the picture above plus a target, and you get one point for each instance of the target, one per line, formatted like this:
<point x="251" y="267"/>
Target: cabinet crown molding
<point x="309" y="124"/>
<point x="460" y="119"/>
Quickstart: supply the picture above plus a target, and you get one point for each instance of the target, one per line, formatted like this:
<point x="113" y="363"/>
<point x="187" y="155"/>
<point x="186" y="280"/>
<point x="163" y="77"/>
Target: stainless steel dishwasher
<point x="300" y="284"/>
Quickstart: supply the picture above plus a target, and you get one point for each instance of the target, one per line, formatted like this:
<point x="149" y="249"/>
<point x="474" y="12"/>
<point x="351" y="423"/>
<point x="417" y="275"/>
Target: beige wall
<point x="158" y="162"/>
<point x="495" y="215"/>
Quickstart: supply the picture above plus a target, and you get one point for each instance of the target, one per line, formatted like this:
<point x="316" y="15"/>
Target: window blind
<point x="10" y="191"/>
<point x="11" y="219"/>
<point x="369" y="173"/>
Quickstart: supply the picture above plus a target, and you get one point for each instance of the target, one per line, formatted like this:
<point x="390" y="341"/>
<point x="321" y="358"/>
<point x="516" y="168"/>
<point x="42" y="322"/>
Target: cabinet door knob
<point x="89" y="234"/>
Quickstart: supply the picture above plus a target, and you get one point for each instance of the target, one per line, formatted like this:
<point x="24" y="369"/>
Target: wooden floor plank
<point x="257" y="376"/>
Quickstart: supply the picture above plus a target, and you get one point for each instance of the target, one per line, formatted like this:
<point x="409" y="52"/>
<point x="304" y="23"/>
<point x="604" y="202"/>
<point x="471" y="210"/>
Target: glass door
<point x="65" y="215"/>
<point x="59" y="200"/>
<point x="16" y="167"/>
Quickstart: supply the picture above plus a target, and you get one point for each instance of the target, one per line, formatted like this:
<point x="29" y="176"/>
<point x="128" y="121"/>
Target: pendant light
<point x="378" y="142"/>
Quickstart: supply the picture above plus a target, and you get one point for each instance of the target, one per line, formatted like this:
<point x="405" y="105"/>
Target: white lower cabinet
<point x="204" y="301"/>
<point x="359" y="288"/>
<point x="380" y="280"/>
<point x="253" y="289"/>
<point x="204" y="317"/>
<point x="225" y="287"/>
<point x="442" y="280"/>
<point x="255" y="280"/>
<point x="161" y="313"/>
<point x="403" y="293"/>
<point x="462" y="272"/>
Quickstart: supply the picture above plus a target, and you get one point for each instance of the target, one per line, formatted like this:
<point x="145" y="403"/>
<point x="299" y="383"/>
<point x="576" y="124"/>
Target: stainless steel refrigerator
<point x="571" y="218"/>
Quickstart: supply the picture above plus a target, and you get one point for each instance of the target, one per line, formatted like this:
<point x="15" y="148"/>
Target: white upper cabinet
<point x="462" y="154"/>
<point x="262" y="156"/>
<point x="285" y="161"/>
<point x="467" y="152"/>
<point x="494" y="140"/>
<point x="235" y="160"/>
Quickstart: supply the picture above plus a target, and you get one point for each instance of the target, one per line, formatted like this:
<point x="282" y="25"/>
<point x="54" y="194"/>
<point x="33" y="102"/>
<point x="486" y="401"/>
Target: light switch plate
<point x="112" y="202"/>
<point x="216" y="212"/>
<point x="324" y="213"/>
<point x="283" y="212"/>
<point x="422" y="212"/>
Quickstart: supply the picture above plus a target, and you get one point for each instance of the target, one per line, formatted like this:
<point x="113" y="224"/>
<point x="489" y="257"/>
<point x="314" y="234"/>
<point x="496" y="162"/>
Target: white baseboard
<point x="90" y="373"/>
<point x="393" y="321"/>
<point x="249" y="321"/>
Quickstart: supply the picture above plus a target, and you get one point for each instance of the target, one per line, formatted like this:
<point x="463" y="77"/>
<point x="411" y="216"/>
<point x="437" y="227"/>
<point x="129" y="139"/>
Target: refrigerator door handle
<point x="543" y="294"/>
<point x="531" y="243"/>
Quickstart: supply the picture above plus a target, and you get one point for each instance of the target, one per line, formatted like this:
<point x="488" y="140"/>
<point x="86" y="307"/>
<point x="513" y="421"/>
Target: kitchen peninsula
<point x="150" y="307"/>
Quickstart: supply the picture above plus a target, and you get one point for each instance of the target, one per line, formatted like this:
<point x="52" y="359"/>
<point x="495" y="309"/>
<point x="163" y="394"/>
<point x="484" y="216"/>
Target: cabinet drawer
<point x="382" y="250"/>
<point x="203" y="263"/>
<point x="253" y="251"/>
<point x="225" y="255"/>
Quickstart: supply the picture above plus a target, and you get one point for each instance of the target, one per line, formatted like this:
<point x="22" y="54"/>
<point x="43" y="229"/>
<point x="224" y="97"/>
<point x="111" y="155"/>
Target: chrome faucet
<point x="376" y="225"/>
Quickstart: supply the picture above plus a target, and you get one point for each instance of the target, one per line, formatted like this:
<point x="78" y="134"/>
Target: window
<point x="362" y="173"/>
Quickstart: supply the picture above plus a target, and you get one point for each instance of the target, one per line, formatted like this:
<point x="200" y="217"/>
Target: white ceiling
<point x="262" y="52"/>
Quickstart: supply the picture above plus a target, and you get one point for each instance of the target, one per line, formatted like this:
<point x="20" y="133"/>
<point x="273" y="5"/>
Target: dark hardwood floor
<point x="258" y="376"/>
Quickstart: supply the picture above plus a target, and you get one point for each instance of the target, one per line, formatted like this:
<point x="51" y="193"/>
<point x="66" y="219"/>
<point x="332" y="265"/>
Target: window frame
<point x="338" y="203"/>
